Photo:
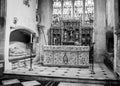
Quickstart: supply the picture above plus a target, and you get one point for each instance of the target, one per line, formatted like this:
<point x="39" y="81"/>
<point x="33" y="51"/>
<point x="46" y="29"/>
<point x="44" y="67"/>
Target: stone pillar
<point x="100" y="31"/>
<point x="2" y="34"/>
<point x="45" y="13"/>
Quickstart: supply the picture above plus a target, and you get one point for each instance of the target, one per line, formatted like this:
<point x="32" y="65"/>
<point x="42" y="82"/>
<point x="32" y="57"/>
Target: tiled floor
<point x="101" y="72"/>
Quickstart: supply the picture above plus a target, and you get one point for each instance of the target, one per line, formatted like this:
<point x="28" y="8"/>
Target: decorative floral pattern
<point x="58" y="58"/>
<point x="66" y="48"/>
<point x="72" y="60"/>
<point x="48" y="57"/>
<point x="83" y="58"/>
<point x="66" y="55"/>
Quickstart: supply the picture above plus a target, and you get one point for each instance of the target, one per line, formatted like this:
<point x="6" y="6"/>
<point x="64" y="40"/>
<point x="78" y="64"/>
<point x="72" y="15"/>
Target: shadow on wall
<point x="109" y="41"/>
<point x="2" y="21"/>
<point x="19" y="36"/>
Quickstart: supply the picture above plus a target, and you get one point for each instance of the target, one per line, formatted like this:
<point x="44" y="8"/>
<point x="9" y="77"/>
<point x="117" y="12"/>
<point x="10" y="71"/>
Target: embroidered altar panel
<point x="66" y="55"/>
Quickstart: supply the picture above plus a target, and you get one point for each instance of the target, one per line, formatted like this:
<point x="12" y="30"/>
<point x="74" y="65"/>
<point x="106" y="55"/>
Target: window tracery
<point x="67" y="8"/>
<point x="57" y="11"/>
<point x="81" y="9"/>
<point x="78" y="8"/>
<point x="89" y="11"/>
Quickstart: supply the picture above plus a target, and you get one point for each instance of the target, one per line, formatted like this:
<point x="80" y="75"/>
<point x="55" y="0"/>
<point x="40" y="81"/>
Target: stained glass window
<point x="57" y="8"/>
<point x="67" y="8"/>
<point x="89" y="11"/>
<point x="82" y="9"/>
<point x="78" y="8"/>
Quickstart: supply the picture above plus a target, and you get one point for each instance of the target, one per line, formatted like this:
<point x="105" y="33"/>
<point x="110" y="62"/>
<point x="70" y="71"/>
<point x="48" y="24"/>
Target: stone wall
<point x="19" y="15"/>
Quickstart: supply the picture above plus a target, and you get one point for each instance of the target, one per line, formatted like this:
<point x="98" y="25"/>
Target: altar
<point x="67" y="56"/>
<point x="68" y="45"/>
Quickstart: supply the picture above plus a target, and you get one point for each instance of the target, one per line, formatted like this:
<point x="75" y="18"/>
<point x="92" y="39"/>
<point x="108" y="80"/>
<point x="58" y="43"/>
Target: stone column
<point x="100" y="30"/>
<point x="2" y="34"/>
<point x="45" y="13"/>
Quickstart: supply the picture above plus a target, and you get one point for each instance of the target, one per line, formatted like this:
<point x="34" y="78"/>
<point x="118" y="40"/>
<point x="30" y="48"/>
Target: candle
<point x="93" y="36"/>
<point x="31" y="38"/>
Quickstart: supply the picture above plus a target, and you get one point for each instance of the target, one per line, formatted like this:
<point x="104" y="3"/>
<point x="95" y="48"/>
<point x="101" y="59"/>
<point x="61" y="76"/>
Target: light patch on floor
<point x="101" y="72"/>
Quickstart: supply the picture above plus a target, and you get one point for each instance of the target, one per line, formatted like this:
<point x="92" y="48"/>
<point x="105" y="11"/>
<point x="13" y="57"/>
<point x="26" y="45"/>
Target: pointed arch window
<point x="78" y="8"/>
<point x="67" y="8"/>
<point x="57" y="11"/>
<point x="89" y="11"/>
<point x="81" y="9"/>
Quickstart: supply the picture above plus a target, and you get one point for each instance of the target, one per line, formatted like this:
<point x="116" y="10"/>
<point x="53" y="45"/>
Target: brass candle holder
<point x="31" y="49"/>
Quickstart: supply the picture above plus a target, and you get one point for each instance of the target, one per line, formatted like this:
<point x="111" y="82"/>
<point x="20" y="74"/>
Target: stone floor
<point x="67" y="74"/>
<point x="101" y="72"/>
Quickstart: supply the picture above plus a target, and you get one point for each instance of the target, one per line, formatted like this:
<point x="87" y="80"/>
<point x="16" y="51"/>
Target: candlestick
<point x="31" y="38"/>
<point x="31" y="50"/>
<point x="93" y="36"/>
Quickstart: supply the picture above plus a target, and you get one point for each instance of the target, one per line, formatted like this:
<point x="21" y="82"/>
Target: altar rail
<point x="57" y="55"/>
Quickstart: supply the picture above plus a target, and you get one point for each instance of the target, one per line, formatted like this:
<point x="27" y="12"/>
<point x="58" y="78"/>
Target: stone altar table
<point x="61" y="55"/>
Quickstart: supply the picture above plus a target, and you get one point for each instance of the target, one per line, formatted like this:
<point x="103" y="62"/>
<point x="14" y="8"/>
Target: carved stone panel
<point x="83" y="58"/>
<point x="48" y="57"/>
<point x="66" y="55"/>
<point x="58" y="58"/>
<point x="72" y="60"/>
